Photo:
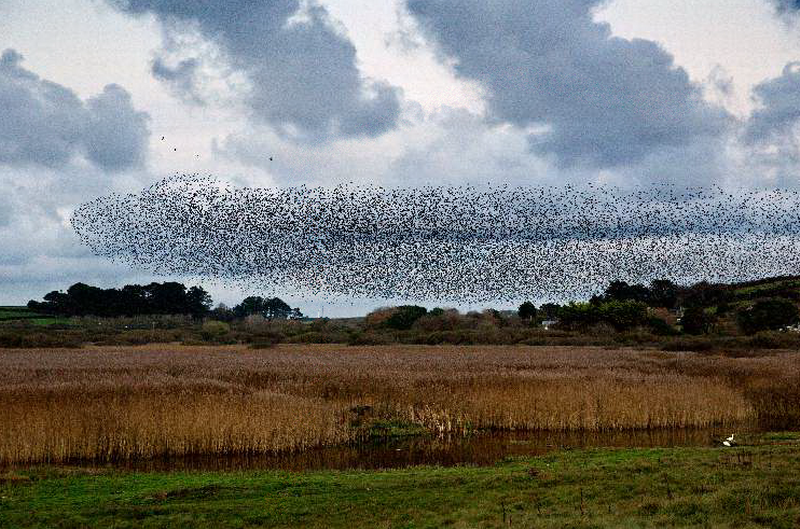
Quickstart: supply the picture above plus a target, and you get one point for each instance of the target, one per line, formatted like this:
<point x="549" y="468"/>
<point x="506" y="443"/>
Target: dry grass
<point x="109" y="403"/>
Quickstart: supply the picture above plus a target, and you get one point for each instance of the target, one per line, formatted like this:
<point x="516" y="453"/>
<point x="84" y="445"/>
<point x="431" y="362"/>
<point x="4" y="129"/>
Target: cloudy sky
<point x="389" y="92"/>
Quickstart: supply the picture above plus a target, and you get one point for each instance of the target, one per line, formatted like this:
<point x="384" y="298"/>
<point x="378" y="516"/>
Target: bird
<point x="446" y="243"/>
<point x="729" y="441"/>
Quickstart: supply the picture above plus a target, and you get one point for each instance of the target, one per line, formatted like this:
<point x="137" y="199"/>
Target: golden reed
<point x="112" y="403"/>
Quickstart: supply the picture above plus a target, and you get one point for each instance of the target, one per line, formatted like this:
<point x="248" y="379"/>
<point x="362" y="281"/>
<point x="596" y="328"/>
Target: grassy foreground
<point x="747" y="486"/>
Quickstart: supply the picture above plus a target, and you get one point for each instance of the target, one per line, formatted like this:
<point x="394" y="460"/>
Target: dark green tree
<point x="276" y="309"/>
<point x="527" y="311"/>
<point x="405" y="316"/>
<point x="249" y="306"/>
<point x="198" y="301"/>
<point x="156" y="298"/>
<point x="663" y="293"/>
<point x="696" y="320"/>
<point x="549" y="311"/>
<point x="622" y="291"/>
<point x="768" y="314"/>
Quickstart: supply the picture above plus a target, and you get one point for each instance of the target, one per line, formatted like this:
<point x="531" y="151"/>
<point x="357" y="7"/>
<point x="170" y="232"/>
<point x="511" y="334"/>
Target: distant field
<point x="16" y="313"/>
<point x="8" y="314"/>
<point x="110" y="403"/>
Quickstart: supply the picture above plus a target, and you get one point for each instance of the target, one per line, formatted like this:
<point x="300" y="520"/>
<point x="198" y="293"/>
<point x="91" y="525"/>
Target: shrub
<point x="767" y="314"/>
<point x="619" y="314"/>
<point x="440" y="320"/>
<point x="696" y="320"/>
<point x="367" y="338"/>
<point x="35" y="340"/>
<point x="215" y="331"/>
<point x="660" y="327"/>
<point x="773" y="340"/>
<point x="320" y="337"/>
<point x="404" y="317"/>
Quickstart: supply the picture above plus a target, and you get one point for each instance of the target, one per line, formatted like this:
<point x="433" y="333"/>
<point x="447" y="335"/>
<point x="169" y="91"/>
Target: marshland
<point x="165" y="400"/>
<point x="615" y="414"/>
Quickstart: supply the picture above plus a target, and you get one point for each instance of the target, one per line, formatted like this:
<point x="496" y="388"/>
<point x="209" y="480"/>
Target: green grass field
<point x="11" y="314"/>
<point x="746" y="486"/>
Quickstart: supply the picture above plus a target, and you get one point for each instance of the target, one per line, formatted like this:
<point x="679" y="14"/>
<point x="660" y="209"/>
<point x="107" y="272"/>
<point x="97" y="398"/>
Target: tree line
<point x="701" y="307"/>
<point x="155" y="298"/>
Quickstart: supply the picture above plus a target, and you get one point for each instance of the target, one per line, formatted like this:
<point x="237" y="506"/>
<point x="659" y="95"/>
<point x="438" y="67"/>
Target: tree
<point x="663" y="293"/>
<point x="620" y="314"/>
<point x="249" y="306"/>
<point x="768" y="314"/>
<point x="622" y="291"/>
<point x="624" y="314"/>
<point x="705" y="294"/>
<point x="527" y="311"/>
<point x="549" y="311"/>
<point x="404" y="316"/>
<point x="222" y="313"/>
<point x="167" y="298"/>
<point x="156" y="298"/>
<point x="276" y="309"/>
<point x="696" y="320"/>
<point x="579" y="314"/>
<point x="198" y="301"/>
<point x="271" y="309"/>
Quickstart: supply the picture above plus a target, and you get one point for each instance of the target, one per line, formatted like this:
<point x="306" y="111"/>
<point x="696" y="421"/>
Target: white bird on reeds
<point x="729" y="441"/>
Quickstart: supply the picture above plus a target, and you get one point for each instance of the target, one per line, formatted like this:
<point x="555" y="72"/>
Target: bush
<point x="619" y="314"/>
<point x="773" y="340"/>
<point x="35" y="340"/>
<point x="696" y="320"/>
<point x="367" y="338"/>
<point x="215" y="331"/>
<point x="404" y="317"/>
<point x="767" y="315"/>
<point x="440" y="320"/>
<point x="320" y="337"/>
<point x="660" y="327"/>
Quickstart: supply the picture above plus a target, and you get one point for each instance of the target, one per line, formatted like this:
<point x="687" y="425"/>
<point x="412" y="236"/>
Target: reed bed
<point x="115" y="403"/>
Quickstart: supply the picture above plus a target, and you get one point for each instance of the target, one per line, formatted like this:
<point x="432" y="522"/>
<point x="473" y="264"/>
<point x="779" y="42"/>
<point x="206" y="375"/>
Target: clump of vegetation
<point x="621" y="315"/>
<point x="768" y="315"/>
<point x="216" y="332"/>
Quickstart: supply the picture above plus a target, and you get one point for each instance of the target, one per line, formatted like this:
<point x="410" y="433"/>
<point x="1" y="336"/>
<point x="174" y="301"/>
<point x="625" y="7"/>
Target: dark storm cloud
<point x="117" y="134"/>
<point x="607" y="101"/>
<point x="44" y="123"/>
<point x="786" y="5"/>
<point x="303" y="72"/>
<point x="780" y="106"/>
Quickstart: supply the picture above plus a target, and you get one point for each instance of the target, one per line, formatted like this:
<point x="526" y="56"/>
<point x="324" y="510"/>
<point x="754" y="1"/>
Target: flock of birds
<point x="453" y="244"/>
